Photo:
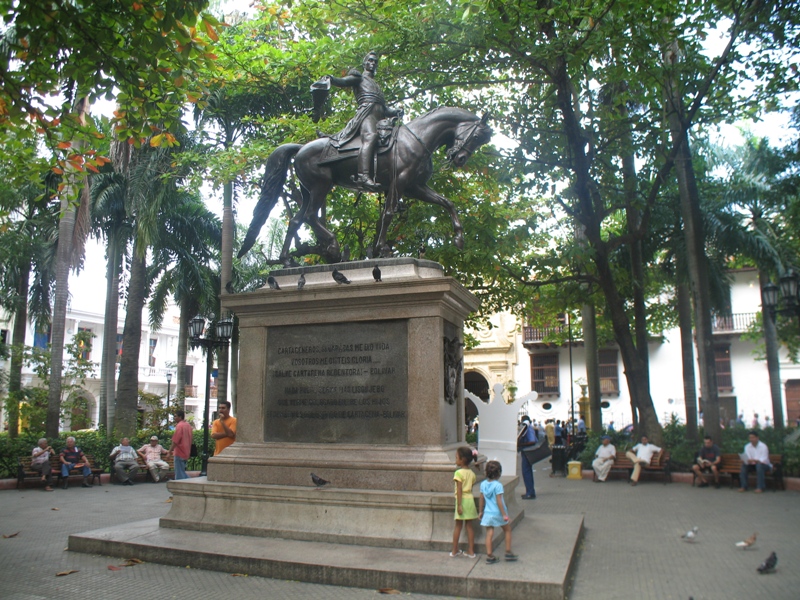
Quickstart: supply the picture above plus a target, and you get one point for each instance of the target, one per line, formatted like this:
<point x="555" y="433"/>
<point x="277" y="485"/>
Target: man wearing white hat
<point x="151" y="454"/>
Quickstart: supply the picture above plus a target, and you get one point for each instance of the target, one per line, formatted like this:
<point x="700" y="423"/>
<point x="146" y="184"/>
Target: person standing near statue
<point x="371" y="109"/>
<point x="223" y="429"/>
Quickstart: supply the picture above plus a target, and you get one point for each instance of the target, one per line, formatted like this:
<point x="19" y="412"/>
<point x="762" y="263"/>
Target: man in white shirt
<point x="604" y="459"/>
<point x="124" y="460"/>
<point x="757" y="455"/>
<point x="641" y="455"/>
<point x="151" y="455"/>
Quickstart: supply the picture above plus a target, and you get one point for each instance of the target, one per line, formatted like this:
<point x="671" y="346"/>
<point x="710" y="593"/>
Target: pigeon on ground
<point x="690" y="535"/>
<point x="302" y="281"/>
<point x="376" y="273"/>
<point x="745" y="544"/>
<point x="273" y="283"/>
<point x="768" y="566"/>
<point x="318" y="481"/>
<point x="339" y="278"/>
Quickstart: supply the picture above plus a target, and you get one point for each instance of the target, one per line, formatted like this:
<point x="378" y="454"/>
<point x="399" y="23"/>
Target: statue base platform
<point x="543" y="570"/>
<point x="390" y="519"/>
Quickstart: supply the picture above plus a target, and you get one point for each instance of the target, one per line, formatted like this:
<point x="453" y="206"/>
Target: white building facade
<point x="517" y="356"/>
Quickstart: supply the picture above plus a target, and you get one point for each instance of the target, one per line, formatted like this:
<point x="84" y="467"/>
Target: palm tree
<point x="182" y="268"/>
<point x="25" y="249"/>
<point x="151" y="188"/>
<point x="72" y="229"/>
<point x="110" y="221"/>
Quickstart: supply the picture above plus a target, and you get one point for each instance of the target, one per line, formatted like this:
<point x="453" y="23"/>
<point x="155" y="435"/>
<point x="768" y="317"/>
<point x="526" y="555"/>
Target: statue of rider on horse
<point x="402" y="155"/>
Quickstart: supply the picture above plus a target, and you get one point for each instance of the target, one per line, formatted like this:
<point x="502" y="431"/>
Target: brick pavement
<point x="632" y="546"/>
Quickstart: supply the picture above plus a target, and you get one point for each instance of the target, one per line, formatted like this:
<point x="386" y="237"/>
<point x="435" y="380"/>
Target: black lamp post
<point x="169" y="380"/>
<point x="788" y="286"/>
<point x="209" y="342"/>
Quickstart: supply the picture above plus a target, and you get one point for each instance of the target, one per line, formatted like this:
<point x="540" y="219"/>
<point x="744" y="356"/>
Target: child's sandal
<point x="459" y="553"/>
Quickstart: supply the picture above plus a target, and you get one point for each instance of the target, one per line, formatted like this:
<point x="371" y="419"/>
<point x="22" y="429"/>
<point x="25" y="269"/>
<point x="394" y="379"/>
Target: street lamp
<point x="788" y="286"/>
<point x="209" y="342"/>
<point x="169" y="380"/>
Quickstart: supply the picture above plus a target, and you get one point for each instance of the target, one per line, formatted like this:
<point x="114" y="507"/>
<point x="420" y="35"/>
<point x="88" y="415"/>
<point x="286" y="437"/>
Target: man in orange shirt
<point x="223" y="430"/>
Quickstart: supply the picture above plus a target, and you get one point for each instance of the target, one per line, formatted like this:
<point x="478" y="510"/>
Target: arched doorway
<point x="474" y="383"/>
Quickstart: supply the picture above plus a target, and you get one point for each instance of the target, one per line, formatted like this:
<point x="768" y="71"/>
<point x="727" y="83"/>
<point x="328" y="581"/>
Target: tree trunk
<point x="18" y="349"/>
<point x="187" y="312"/>
<point x="108" y="366"/>
<point x="645" y="413"/>
<point x="128" y="386"/>
<point x="66" y="231"/>
<point x="695" y="253"/>
<point x="226" y="279"/>
<point x="234" y="364"/>
<point x="589" y="324"/>
<point x="587" y="198"/>
<point x="687" y="359"/>
<point x="773" y="358"/>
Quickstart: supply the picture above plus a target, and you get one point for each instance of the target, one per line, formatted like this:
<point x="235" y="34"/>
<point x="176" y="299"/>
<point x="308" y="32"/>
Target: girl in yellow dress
<point x="464" y="479"/>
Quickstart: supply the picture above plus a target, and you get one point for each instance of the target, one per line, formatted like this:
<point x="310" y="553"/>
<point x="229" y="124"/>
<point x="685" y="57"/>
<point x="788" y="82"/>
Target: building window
<point x="4" y="337"/>
<point x="152" y="359"/>
<point x="41" y="339"/>
<point x="544" y="368"/>
<point x="119" y="346"/>
<point x="609" y="373"/>
<point x="86" y="353"/>
<point x="722" y="359"/>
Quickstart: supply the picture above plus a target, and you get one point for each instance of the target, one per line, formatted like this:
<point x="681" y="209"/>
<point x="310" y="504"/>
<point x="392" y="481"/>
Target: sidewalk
<point x="632" y="547"/>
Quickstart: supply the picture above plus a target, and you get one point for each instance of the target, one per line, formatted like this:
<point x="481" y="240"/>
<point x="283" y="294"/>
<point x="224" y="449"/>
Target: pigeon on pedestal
<point x="318" y="481"/>
<point x="273" y="283"/>
<point x="376" y="273"/>
<point x="339" y="278"/>
<point x="301" y="282"/>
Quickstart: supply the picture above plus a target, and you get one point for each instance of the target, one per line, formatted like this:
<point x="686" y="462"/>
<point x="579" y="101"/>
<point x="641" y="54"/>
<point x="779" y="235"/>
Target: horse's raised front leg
<point x="426" y="194"/>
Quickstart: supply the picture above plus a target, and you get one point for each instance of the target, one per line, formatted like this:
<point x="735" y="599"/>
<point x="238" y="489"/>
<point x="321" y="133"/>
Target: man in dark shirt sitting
<point x="73" y="457"/>
<point x="708" y="459"/>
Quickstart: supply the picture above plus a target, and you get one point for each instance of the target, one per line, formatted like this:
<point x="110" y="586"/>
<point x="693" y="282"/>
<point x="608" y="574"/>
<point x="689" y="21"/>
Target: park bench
<point x="144" y="472"/>
<point x="24" y="470"/>
<point x="659" y="463"/>
<point x="731" y="465"/>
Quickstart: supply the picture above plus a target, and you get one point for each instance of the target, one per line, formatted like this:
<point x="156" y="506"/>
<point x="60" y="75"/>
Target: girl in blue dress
<point x="493" y="511"/>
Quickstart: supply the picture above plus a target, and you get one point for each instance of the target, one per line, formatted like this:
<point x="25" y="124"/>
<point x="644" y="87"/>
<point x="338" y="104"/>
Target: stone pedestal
<point x="359" y="383"/>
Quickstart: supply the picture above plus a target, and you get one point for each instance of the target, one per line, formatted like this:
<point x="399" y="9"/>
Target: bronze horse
<point x="402" y="171"/>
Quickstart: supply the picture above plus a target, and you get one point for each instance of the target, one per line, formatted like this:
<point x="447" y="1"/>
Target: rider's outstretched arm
<point x="352" y="79"/>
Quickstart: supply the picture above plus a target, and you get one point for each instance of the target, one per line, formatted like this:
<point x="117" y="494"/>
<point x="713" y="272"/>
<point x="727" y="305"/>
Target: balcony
<point x="533" y="335"/>
<point x="190" y="391"/>
<point x="733" y="323"/>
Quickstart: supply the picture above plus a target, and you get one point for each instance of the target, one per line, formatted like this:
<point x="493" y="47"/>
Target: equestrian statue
<point x="401" y="155"/>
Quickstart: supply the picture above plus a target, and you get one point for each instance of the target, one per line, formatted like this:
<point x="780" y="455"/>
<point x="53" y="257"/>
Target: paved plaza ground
<point x="631" y="549"/>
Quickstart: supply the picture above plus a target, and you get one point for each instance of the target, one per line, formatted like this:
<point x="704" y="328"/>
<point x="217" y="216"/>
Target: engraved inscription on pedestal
<point x="337" y="383"/>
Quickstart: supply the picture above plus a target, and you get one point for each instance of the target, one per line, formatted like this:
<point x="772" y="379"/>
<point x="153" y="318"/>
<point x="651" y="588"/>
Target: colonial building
<point x="518" y="356"/>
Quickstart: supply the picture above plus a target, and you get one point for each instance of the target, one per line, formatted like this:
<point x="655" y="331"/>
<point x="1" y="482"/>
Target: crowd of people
<point x="125" y="458"/>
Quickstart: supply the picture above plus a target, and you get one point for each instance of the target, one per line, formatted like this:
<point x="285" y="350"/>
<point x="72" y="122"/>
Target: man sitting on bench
<point x="640" y="456"/>
<point x="73" y="457"/>
<point x="708" y="459"/>
<point x="40" y="462"/>
<point x="125" y="464"/>
<point x="755" y="458"/>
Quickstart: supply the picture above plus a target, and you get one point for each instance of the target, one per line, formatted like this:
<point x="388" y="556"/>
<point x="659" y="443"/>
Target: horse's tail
<point x="271" y="188"/>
